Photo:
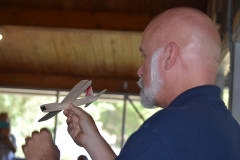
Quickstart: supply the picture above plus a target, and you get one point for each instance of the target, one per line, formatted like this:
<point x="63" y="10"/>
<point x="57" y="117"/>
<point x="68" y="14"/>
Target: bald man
<point x="181" y="49"/>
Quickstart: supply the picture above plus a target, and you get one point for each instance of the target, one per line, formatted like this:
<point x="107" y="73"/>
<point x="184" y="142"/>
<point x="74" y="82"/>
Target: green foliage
<point x="23" y="111"/>
<point x="112" y="121"/>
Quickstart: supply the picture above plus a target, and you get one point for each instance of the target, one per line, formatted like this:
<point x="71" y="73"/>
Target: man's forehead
<point x="150" y="45"/>
<point x="146" y="44"/>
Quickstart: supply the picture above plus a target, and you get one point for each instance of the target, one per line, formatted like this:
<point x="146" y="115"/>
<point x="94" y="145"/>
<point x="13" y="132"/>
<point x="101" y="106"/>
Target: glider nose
<point x="43" y="108"/>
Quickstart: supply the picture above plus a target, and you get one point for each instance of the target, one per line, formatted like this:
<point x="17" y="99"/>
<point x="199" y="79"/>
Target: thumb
<point x="78" y="111"/>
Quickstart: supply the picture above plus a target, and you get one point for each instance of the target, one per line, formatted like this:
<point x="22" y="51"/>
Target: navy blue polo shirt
<point x="195" y="126"/>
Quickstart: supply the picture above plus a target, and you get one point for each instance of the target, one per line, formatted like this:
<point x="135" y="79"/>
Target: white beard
<point x="148" y="94"/>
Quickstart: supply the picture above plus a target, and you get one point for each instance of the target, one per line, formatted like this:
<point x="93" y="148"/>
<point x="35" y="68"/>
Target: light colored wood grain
<point x="70" y="52"/>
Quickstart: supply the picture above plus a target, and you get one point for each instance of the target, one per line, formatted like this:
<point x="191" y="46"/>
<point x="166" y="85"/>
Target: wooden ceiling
<point x="54" y="44"/>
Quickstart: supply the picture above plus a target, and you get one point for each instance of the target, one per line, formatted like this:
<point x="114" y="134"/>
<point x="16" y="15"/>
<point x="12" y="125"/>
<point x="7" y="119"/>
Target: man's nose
<point x="140" y="71"/>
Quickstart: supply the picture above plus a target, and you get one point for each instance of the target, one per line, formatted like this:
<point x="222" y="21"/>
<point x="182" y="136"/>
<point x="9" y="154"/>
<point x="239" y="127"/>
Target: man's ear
<point x="171" y="54"/>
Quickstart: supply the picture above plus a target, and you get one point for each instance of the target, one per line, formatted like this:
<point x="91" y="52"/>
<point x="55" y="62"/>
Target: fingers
<point x="24" y="148"/>
<point x="81" y="125"/>
<point x="77" y="110"/>
<point x="26" y="143"/>
<point x="35" y="133"/>
<point x="27" y="139"/>
<point x="45" y="130"/>
<point x="70" y="109"/>
<point x="66" y="112"/>
<point x="46" y="133"/>
<point x="29" y="142"/>
<point x="73" y="124"/>
<point x="76" y="126"/>
<point x="40" y="146"/>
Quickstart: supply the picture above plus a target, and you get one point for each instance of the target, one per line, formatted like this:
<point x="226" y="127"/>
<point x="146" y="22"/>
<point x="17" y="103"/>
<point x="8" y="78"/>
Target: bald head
<point x="191" y="49"/>
<point x="188" y="28"/>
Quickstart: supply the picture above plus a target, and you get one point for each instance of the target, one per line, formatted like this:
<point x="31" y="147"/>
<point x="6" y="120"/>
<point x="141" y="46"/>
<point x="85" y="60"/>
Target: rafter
<point x="73" y="19"/>
<point x="38" y="81"/>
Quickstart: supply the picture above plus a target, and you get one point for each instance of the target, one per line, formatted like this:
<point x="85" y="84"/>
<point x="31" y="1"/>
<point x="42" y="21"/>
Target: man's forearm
<point x="100" y="150"/>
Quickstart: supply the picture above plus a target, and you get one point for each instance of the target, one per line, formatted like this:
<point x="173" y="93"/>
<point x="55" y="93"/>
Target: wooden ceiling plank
<point x="61" y="52"/>
<point x="46" y="53"/>
<point x="86" y="42"/>
<point x="74" y="19"/>
<point x="111" y="53"/>
<point x="12" y="60"/>
<point x="40" y="81"/>
<point x="123" y="56"/>
<point x="136" y="54"/>
<point x="81" y="65"/>
<point x="100" y="58"/>
<point x="127" y="55"/>
<point x="133" y="6"/>
<point x="68" y="52"/>
<point x="72" y="47"/>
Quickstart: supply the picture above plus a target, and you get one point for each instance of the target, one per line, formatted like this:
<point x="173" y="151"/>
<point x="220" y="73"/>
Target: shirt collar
<point x="206" y="90"/>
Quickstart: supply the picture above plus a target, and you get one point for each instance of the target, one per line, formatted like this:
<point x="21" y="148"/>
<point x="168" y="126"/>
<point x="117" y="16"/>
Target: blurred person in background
<point x="7" y="140"/>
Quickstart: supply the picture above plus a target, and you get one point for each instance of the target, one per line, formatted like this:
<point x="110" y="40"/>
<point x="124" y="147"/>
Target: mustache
<point x="140" y="83"/>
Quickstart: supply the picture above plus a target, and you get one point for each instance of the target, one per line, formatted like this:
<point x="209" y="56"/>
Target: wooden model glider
<point x="71" y="98"/>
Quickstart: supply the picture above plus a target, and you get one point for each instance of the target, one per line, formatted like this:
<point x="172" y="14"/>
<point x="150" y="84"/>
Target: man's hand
<point x="40" y="146"/>
<point x="84" y="132"/>
<point x="81" y="126"/>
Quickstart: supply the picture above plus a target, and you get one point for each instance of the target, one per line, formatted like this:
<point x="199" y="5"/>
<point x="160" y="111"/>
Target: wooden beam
<point x="73" y="19"/>
<point x="36" y="81"/>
